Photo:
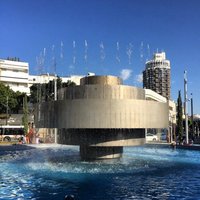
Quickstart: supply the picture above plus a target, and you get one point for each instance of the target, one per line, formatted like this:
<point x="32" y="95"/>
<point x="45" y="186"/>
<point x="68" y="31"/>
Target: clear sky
<point x="112" y="37"/>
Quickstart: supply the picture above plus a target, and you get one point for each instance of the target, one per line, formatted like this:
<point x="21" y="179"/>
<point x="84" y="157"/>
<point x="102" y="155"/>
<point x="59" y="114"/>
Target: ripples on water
<point x="51" y="172"/>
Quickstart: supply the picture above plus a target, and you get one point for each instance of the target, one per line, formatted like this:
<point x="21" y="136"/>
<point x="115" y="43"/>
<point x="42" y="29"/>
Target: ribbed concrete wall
<point x="101" y="80"/>
<point x="100" y="113"/>
<point x="101" y="92"/>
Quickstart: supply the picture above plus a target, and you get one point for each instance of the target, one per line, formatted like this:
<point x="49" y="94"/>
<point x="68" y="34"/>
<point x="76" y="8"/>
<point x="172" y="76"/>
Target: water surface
<point x="53" y="171"/>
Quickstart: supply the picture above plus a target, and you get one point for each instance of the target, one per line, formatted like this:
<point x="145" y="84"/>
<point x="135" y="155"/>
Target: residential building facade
<point x="14" y="74"/>
<point x="45" y="78"/>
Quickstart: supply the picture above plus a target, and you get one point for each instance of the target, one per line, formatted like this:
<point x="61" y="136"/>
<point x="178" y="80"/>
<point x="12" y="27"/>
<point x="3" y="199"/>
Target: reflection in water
<point x="51" y="172"/>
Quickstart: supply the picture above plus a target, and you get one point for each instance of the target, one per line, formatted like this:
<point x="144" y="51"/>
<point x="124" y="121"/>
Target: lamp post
<point x="171" y="117"/>
<point x="192" y="119"/>
<point x="55" y="87"/>
<point x="172" y="123"/>
<point x="7" y="110"/>
<point x="55" y="99"/>
<point x="186" y="100"/>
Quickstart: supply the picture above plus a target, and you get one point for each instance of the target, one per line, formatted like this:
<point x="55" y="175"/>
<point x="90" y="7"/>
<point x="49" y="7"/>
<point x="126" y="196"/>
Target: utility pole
<point x="186" y="100"/>
<point x="55" y="99"/>
<point x="171" y="128"/>
<point x="55" y="88"/>
<point x="7" y="110"/>
<point x="55" y="91"/>
<point x="192" y="119"/>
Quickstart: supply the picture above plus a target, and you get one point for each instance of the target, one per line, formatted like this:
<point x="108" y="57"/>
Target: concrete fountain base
<point x="101" y="115"/>
<point x="96" y="153"/>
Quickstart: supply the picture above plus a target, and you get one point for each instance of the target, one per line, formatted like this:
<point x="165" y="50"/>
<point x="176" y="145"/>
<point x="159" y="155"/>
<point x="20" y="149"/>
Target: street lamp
<point x="171" y="120"/>
<point x="192" y="119"/>
<point x="7" y="110"/>
<point x="172" y="129"/>
<point x="55" y="99"/>
<point x="186" y="100"/>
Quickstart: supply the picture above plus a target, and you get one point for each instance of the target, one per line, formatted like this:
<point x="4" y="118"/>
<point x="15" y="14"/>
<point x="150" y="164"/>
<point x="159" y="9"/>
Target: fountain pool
<point x="53" y="171"/>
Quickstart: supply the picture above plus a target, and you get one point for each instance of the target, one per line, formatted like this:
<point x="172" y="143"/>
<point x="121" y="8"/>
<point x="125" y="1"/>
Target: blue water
<point x="51" y="172"/>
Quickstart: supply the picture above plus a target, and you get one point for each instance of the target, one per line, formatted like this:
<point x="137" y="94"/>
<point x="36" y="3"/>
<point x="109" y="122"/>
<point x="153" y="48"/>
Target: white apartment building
<point x="14" y="74"/>
<point x="151" y="95"/>
<point x="45" y="78"/>
<point x="40" y="79"/>
<point x="156" y="75"/>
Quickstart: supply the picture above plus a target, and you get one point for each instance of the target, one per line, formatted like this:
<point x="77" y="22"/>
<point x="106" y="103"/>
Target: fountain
<point x="101" y="116"/>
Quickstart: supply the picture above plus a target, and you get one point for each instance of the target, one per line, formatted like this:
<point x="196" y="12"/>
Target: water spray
<point x="61" y="50"/>
<point x="74" y="53"/>
<point x="118" y="53"/>
<point x="148" y="51"/>
<point x="86" y="51"/>
<point x="102" y="52"/>
<point x="141" y="52"/>
<point x="129" y="52"/>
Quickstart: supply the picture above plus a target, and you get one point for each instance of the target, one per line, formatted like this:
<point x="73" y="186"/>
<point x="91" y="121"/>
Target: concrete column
<point x="97" y="153"/>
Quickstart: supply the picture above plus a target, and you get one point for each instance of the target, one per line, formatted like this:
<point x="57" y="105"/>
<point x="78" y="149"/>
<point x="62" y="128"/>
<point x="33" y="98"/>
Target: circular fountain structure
<point x="101" y="116"/>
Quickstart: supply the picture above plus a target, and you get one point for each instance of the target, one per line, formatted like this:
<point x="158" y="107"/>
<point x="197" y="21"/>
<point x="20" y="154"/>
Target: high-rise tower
<point x="156" y="76"/>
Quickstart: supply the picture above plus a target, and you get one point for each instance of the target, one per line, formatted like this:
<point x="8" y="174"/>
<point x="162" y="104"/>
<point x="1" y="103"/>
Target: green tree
<point x="68" y="83"/>
<point x="8" y="98"/>
<point x="45" y="92"/>
<point x="179" y="127"/>
<point x="34" y="93"/>
<point x="19" y="97"/>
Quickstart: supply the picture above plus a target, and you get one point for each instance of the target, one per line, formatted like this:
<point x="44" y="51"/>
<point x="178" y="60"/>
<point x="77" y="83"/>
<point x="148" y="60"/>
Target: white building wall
<point x="159" y="61"/>
<point x="151" y="95"/>
<point x="76" y="79"/>
<point x="45" y="78"/>
<point x="15" y="75"/>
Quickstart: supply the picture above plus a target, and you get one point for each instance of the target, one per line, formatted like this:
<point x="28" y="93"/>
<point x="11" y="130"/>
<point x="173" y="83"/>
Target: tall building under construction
<point x="156" y="76"/>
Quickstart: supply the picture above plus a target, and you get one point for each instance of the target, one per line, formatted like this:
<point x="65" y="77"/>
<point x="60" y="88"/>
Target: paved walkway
<point x="13" y="147"/>
<point x="189" y="147"/>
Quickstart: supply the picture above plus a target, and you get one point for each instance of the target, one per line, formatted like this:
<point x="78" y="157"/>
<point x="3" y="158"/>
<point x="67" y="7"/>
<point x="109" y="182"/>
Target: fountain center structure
<point x="101" y="115"/>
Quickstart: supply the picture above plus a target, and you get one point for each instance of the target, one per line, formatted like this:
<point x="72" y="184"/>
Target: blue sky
<point x="104" y="37"/>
